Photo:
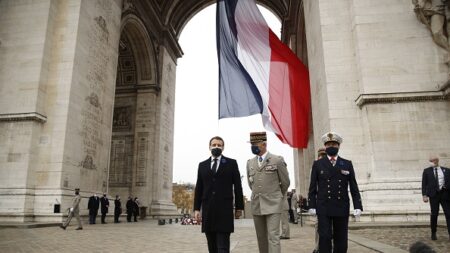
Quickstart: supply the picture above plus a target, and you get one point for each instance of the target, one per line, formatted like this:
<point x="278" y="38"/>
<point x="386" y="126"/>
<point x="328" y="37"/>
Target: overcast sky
<point x="196" y="105"/>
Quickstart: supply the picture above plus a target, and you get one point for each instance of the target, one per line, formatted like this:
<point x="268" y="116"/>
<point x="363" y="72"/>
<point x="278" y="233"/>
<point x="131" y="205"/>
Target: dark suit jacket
<point x="117" y="207"/>
<point x="429" y="184"/>
<point x="93" y="204"/>
<point x="104" y="203"/>
<point x="214" y="195"/>
<point x="328" y="190"/>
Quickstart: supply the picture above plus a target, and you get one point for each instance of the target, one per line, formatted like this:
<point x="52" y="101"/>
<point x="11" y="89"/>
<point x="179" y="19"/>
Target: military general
<point x="268" y="179"/>
<point x="331" y="177"/>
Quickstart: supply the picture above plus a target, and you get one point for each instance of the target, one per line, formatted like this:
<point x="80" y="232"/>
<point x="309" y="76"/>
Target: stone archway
<point x="133" y="170"/>
<point x="164" y="32"/>
<point x="292" y="16"/>
<point x="74" y="111"/>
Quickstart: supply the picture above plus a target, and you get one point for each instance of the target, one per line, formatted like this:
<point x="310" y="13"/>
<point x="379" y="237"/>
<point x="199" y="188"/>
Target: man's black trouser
<point x="218" y="242"/>
<point x="335" y="228"/>
<point x="442" y="199"/>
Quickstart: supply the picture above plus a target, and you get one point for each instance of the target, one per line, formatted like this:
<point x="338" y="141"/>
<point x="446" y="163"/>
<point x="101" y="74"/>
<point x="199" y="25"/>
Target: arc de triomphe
<point x="87" y="98"/>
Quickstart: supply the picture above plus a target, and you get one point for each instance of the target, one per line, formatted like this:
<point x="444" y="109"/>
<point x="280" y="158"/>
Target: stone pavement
<point x="403" y="237"/>
<point x="146" y="236"/>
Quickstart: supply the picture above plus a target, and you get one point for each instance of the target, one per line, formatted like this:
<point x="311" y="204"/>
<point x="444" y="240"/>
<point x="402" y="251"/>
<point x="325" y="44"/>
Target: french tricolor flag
<point x="258" y="74"/>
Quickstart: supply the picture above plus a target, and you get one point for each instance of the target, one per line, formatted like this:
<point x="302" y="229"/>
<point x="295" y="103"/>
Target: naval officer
<point x="331" y="177"/>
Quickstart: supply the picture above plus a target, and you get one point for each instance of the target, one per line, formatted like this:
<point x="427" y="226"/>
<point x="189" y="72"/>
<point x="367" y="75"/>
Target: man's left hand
<point x="237" y="214"/>
<point x="357" y="212"/>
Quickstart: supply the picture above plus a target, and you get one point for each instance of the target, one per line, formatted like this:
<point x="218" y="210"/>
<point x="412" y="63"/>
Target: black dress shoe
<point x="284" y="237"/>
<point x="61" y="226"/>
<point x="433" y="236"/>
<point x="79" y="229"/>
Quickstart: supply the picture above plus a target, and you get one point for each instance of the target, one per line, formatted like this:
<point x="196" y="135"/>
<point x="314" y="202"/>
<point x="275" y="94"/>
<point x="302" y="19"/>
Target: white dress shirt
<point x="440" y="176"/>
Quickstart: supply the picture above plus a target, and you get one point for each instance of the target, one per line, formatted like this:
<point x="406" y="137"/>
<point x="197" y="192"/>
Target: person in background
<point x="74" y="210"/>
<point x="435" y="189"/>
<point x="285" y="232"/>
<point x="420" y="247"/>
<point x="320" y="154"/>
<point x="104" y="206"/>
<point x="294" y="205"/>
<point x="136" y="208"/>
<point x="130" y="208"/>
<point x="93" y="205"/>
<point x="290" y="212"/>
<point x="117" y="209"/>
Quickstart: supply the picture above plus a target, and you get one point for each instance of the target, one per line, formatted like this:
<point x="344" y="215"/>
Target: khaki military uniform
<point x="75" y="212"/>
<point x="285" y="231"/>
<point x="269" y="183"/>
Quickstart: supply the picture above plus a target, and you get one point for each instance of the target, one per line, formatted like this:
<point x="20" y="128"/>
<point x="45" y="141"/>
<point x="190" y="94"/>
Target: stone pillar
<point x="404" y="114"/>
<point x="145" y="139"/>
<point x="56" y="99"/>
<point x="376" y="78"/>
<point x="162" y="204"/>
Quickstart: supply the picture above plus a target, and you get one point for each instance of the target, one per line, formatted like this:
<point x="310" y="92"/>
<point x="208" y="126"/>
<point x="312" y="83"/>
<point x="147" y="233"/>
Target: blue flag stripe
<point x="238" y="94"/>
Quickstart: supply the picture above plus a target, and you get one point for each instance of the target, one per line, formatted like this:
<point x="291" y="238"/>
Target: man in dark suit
<point x="217" y="178"/>
<point x="435" y="189"/>
<point x="104" y="205"/>
<point x="117" y="209"/>
<point x="93" y="205"/>
<point x="130" y="207"/>
<point x="328" y="196"/>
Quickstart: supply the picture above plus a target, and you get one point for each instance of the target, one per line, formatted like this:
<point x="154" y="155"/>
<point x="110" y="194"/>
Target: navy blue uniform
<point x="328" y="194"/>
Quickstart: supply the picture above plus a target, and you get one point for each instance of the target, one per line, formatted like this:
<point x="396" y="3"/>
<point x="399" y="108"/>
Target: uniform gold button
<point x="328" y="191"/>
<point x="328" y="186"/>
<point x="339" y="192"/>
<point x="339" y="180"/>
<point x="339" y="197"/>
<point x="329" y="197"/>
<point x="339" y="186"/>
<point x="259" y="186"/>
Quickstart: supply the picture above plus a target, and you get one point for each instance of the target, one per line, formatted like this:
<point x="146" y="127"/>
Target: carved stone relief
<point x="435" y="14"/>
<point x="121" y="161"/>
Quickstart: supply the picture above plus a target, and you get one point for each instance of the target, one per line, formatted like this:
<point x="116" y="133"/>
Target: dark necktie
<point x="260" y="159"/>
<point x="214" y="166"/>
<point x="437" y="178"/>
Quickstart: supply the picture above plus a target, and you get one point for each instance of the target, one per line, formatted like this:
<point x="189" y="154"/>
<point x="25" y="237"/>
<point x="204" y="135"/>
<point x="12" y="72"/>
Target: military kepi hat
<point x="256" y="137"/>
<point x="331" y="136"/>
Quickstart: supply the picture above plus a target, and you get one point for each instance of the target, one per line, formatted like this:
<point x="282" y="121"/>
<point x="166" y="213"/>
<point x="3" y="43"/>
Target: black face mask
<point x="332" y="151"/>
<point x="256" y="150"/>
<point x="216" y="152"/>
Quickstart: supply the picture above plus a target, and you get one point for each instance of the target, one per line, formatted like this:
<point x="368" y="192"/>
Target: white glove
<point x="71" y="209"/>
<point x="312" y="211"/>
<point x="357" y="212"/>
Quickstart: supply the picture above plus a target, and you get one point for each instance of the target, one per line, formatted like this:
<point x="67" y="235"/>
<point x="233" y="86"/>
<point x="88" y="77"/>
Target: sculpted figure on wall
<point x="435" y="14"/>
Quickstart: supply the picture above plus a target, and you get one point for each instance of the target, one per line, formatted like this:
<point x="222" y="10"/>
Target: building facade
<point x="87" y="90"/>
